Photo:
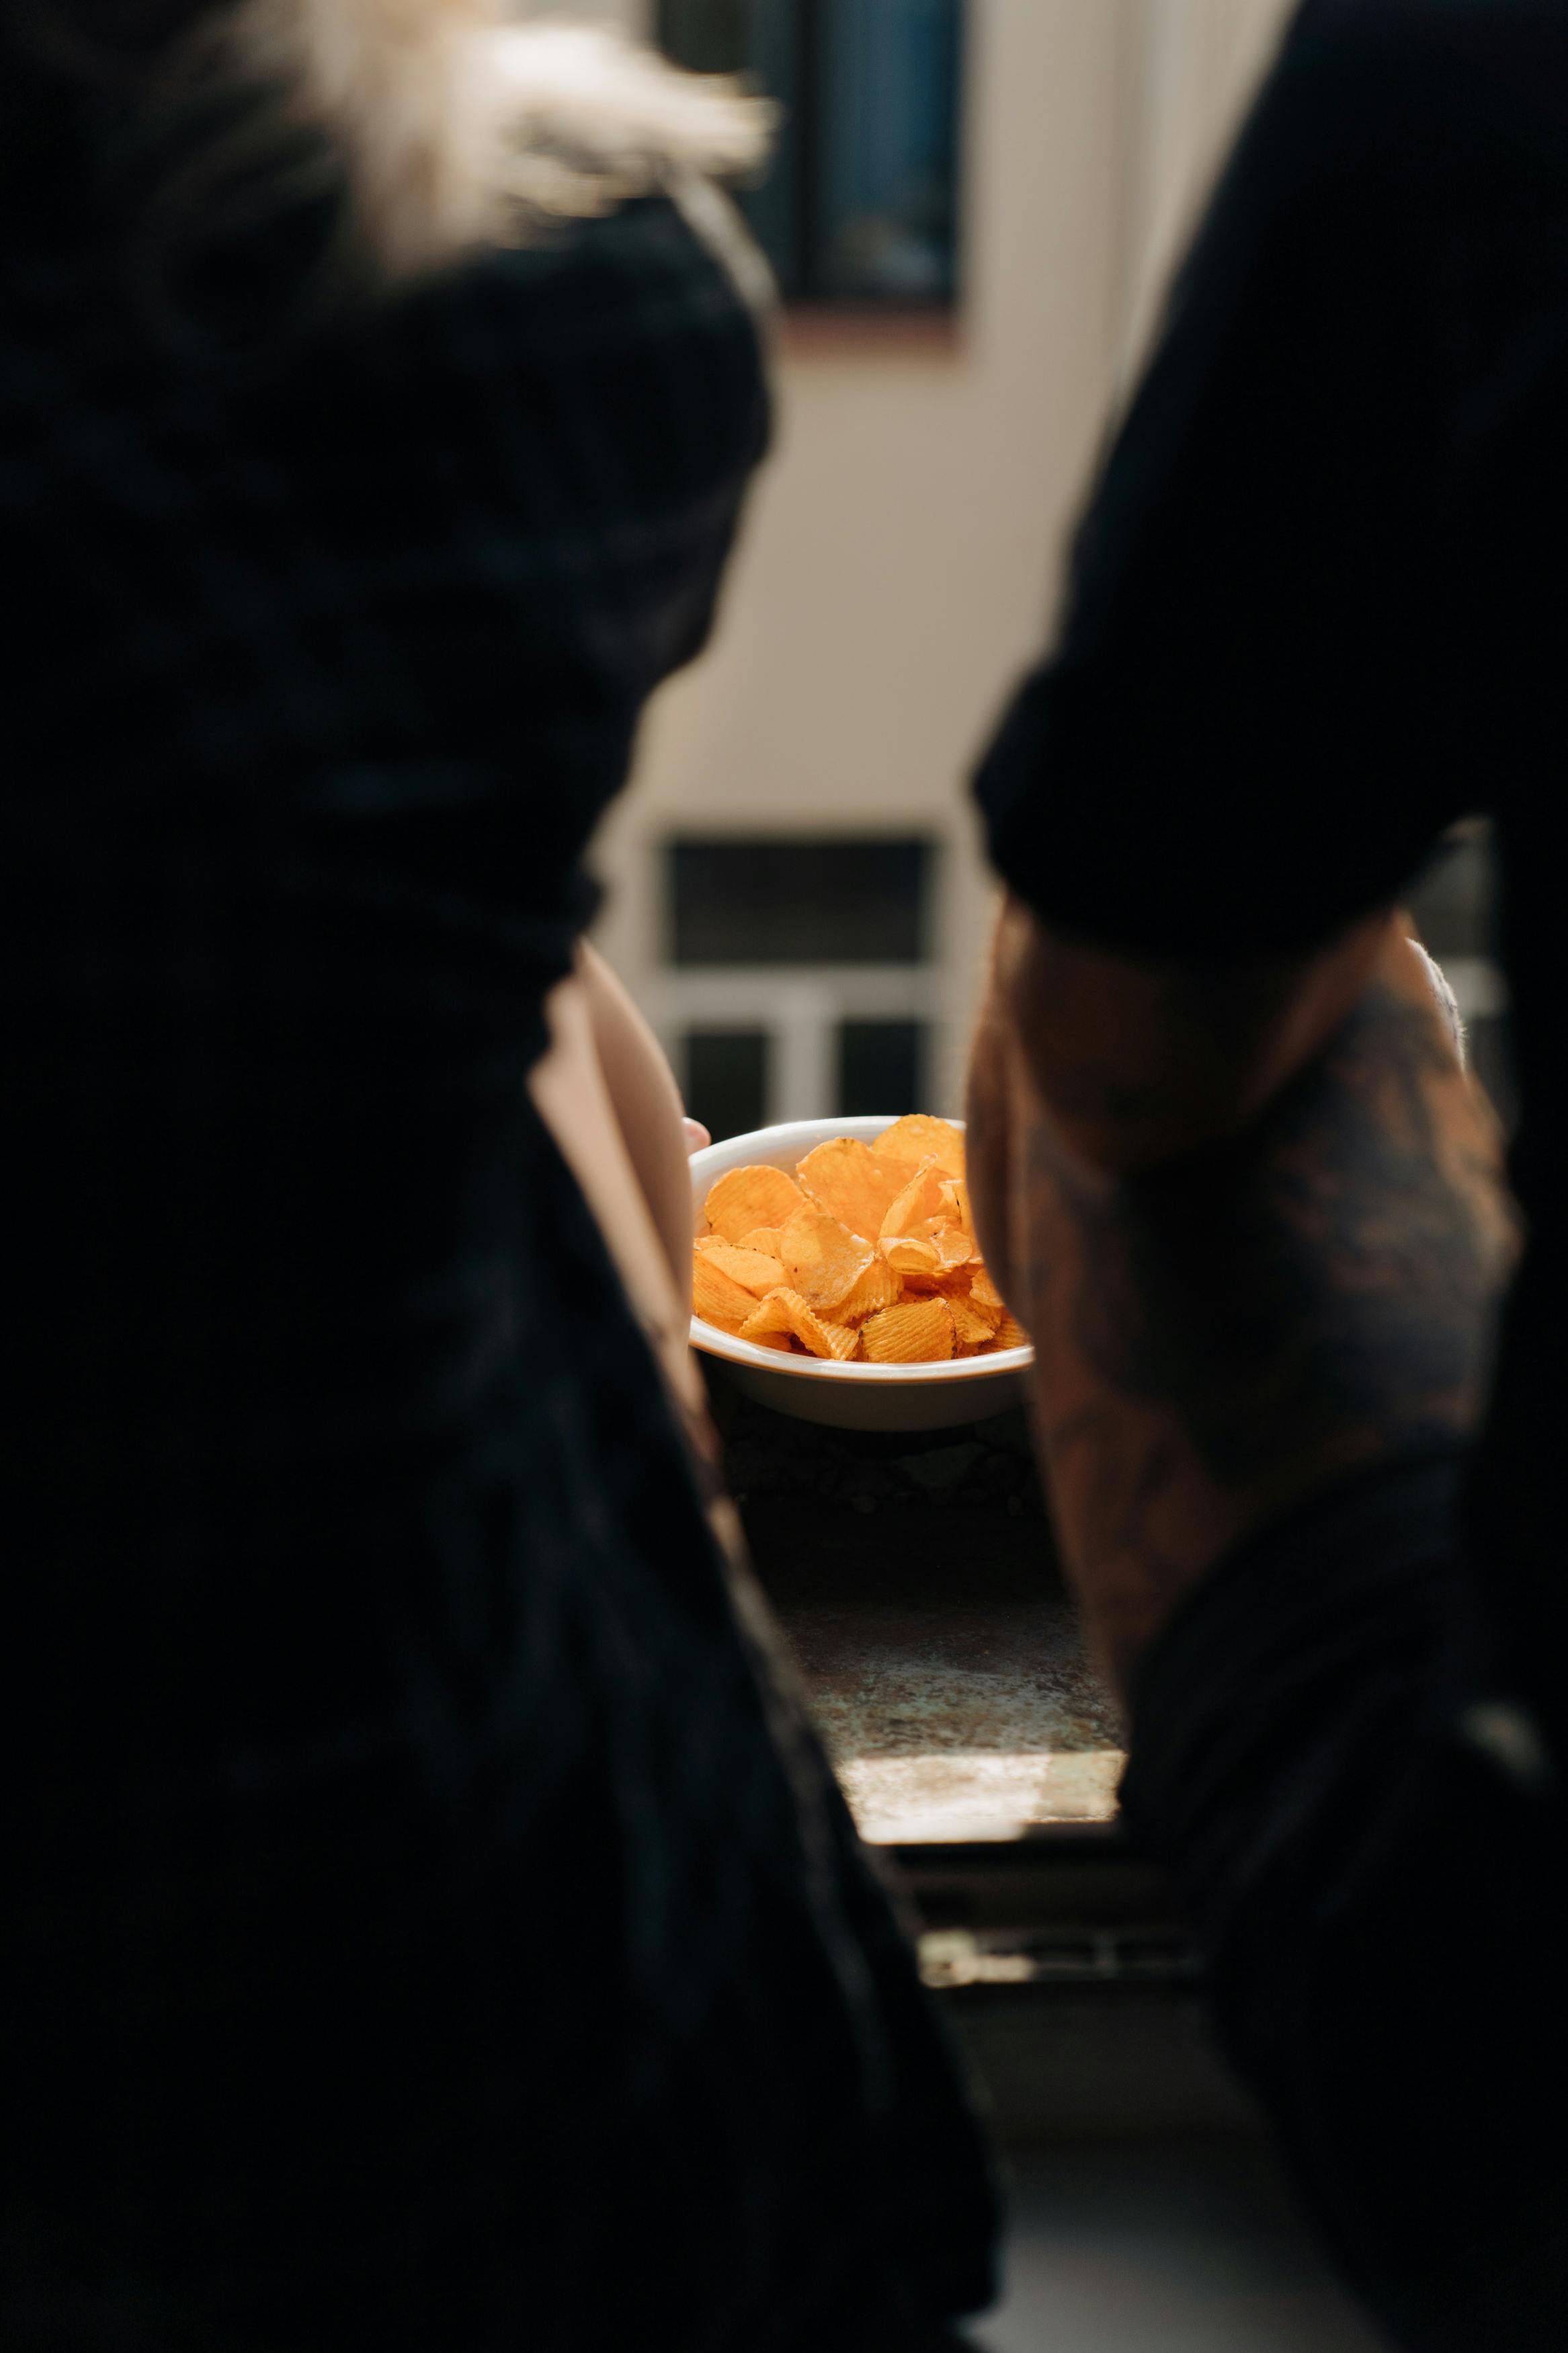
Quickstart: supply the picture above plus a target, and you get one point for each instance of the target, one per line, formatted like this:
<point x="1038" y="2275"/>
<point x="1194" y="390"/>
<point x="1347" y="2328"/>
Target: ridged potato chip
<point x="974" y="1326"/>
<point x="918" y="1136"/>
<point x="849" y="1182"/>
<point x="983" y="1291"/>
<point x="878" y="1288"/>
<point x="744" y="1199"/>
<point x="918" y="1207"/>
<point x="1010" y="1333"/>
<point x="717" y="1297"/>
<point x="765" y="1239"/>
<point x="786" y="1311"/>
<point x="908" y="1254"/>
<point x="823" y="1260"/>
<point x="753" y="1269"/>
<point x="918" y="1332"/>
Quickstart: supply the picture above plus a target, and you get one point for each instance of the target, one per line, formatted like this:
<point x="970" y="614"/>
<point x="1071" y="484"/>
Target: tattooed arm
<point x="1276" y="1264"/>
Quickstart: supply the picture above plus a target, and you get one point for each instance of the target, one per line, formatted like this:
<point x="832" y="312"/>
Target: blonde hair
<point x="421" y="131"/>
<point x="459" y="127"/>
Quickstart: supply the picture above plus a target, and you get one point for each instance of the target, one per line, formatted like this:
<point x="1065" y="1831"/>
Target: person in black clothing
<point x="1231" y="1172"/>
<point x="427" y="1920"/>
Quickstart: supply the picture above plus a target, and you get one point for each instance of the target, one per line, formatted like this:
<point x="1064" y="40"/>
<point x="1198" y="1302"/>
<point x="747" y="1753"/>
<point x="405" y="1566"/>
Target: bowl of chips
<point x="837" y="1277"/>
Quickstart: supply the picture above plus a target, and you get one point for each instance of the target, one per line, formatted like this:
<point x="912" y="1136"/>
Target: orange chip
<point x="952" y="1282"/>
<point x="955" y="1204"/>
<point x="918" y="1137"/>
<point x="908" y="1254"/>
<point x="954" y="1289"/>
<point x="954" y="1248"/>
<point x="974" y="1326"/>
<point x="1010" y="1333"/>
<point x="753" y="1269"/>
<point x="766" y="1238"/>
<point x="918" y="1206"/>
<point x="878" y="1288"/>
<point x="847" y="1181"/>
<point x="917" y="1332"/>
<point x="983" y="1291"/>
<point x="786" y="1311"/>
<point x="823" y="1260"/>
<point x="717" y="1297"/>
<point x="746" y="1197"/>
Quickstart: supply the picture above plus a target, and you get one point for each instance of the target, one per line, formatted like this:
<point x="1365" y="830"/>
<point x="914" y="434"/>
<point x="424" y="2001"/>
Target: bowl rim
<point x="863" y="1126"/>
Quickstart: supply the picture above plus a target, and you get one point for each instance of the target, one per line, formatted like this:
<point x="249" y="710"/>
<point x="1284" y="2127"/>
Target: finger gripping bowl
<point x="855" y="1396"/>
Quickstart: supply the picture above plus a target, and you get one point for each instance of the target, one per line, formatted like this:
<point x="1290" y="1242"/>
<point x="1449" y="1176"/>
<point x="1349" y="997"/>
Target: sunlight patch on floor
<point x="976" y="1793"/>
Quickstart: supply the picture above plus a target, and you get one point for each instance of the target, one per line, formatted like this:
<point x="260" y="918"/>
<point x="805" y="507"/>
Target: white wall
<point x="899" y="563"/>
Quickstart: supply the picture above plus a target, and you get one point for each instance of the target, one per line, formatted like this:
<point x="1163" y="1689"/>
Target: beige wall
<point x="899" y="559"/>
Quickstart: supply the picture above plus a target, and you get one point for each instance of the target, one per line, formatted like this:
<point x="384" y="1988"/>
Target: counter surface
<point x="918" y="1583"/>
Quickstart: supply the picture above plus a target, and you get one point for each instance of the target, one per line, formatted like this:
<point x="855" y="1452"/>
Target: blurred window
<point x="726" y="1079"/>
<point x="861" y="203"/>
<point x="837" y="901"/>
<point x="881" y="1066"/>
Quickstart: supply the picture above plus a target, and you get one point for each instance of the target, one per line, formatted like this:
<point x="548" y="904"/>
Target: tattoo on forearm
<point x="1321" y="1290"/>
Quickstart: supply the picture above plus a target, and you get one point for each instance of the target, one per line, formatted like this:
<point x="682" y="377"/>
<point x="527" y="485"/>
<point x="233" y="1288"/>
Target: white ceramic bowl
<point x="848" y="1396"/>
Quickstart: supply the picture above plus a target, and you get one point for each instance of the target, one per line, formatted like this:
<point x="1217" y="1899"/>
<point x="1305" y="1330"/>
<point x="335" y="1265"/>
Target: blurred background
<point x="973" y="213"/>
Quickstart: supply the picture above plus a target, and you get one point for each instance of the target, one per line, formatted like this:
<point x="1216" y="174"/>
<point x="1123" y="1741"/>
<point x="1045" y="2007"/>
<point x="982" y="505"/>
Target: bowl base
<point x="843" y="1405"/>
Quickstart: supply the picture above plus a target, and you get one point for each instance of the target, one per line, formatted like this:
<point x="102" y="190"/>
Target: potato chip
<point x="916" y="1332"/>
<point x="954" y="1248"/>
<point x="717" y="1297"/>
<point x="956" y="1205"/>
<point x="983" y="1291"/>
<point x="786" y="1311"/>
<point x="753" y="1269"/>
<point x="973" y="1325"/>
<point x="747" y="1198"/>
<point x="907" y="1254"/>
<point x="982" y="1307"/>
<point x="918" y="1206"/>
<point x="849" y="1182"/>
<point x="823" y="1260"/>
<point x="1010" y="1333"/>
<point x="768" y="1239"/>
<point x="920" y="1136"/>
<point x="878" y="1288"/>
<point x="955" y="1282"/>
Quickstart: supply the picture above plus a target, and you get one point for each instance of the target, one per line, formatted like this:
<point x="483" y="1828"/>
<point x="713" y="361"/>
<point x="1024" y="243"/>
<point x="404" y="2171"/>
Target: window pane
<point x="881" y="1067"/>
<point x="707" y="35"/>
<point x="792" y="901"/>
<point x="889" y="150"/>
<point x="859" y="202"/>
<point x="727" y="1080"/>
